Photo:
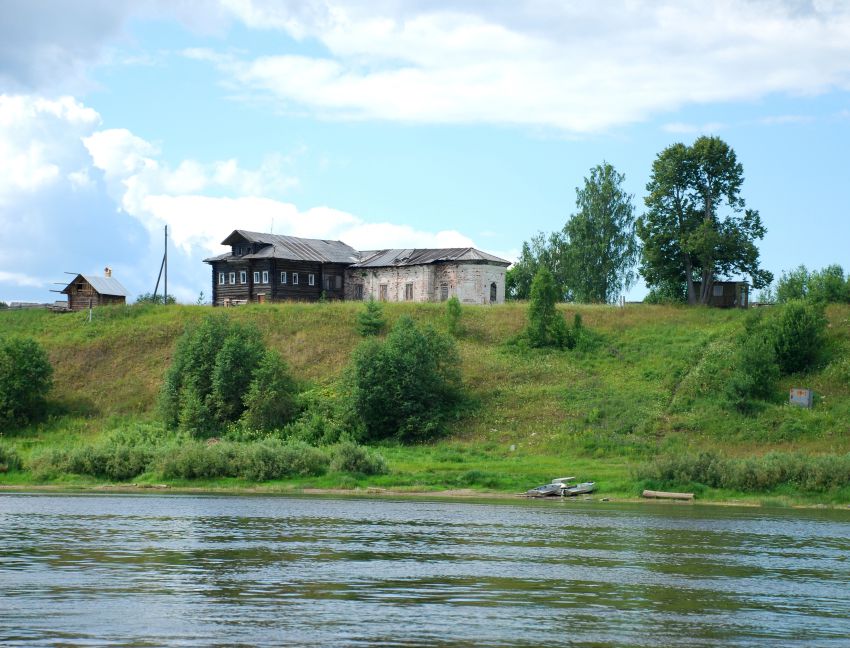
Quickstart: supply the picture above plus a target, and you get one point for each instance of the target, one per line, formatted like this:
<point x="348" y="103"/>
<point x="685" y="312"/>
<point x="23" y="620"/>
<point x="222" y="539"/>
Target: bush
<point x="25" y="379"/>
<point x="829" y="285"/>
<point x="271" y="399"/>
<point x="254" y="462"/>
<point x="453" y="314"/>
<point x="800" y="333"/>
<point x="370" y="321"/>
<point x="793" y="285"/>
<point x="405" y="386"/>
<point x="9" y="459"/>
<point x="150" y="298"/>
<point x="221" y="373"/>
<point x="546" y="326"/>
<point x="353" y="458"/>
<point x="808" y="474"/>
<point x="116" y="462"/>
<point x="756" y="372"/>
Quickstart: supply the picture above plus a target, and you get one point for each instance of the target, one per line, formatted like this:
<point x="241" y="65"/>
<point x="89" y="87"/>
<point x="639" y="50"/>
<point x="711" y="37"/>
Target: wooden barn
<point x="271" y="267"/>
<point x="728" y="294"/>
<point x="88" y="291"/>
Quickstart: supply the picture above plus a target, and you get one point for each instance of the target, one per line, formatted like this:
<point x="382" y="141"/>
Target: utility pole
<point x="163" y="269"/>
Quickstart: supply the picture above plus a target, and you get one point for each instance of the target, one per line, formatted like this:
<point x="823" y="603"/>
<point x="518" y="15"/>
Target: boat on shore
<point x="561" y="487"/>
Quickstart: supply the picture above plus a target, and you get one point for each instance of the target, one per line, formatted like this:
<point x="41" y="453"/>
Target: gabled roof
<point x="102" y="285"/>
<point x="410" y="257"/>
<point x="291" y="248"/>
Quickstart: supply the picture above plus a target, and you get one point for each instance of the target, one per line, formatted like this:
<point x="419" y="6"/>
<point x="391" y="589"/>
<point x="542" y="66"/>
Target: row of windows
<point x="243" y="278"/>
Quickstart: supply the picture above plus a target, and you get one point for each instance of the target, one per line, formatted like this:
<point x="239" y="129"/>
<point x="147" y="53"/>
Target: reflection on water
<point x="201" y="571"/>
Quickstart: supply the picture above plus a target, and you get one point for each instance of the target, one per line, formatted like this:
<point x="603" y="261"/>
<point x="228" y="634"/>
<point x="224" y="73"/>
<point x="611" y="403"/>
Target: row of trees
<point x="827" y="286"/>
<point x="696" y="229"/>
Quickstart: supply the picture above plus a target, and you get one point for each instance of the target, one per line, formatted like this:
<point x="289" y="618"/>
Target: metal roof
<point x="291" y="248"/>
<point x="103" y="285"/>
<point x="409" y="257"/>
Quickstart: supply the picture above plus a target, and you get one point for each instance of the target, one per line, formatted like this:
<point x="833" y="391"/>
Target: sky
<point x="396" y="123"/>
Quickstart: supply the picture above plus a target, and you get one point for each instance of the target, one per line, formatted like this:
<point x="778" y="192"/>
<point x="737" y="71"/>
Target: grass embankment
<point x="652" y="386"/>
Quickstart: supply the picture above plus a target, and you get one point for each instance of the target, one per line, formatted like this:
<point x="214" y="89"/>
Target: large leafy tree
<point x="697" y="227"/>
<point x="602" y="250"/>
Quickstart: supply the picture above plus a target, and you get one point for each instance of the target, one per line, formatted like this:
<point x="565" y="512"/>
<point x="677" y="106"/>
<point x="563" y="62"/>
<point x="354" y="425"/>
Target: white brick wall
<point x="469" y="282"/>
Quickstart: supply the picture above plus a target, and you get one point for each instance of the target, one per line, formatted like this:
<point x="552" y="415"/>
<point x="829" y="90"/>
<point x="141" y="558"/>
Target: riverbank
<point x="651" y="386"/>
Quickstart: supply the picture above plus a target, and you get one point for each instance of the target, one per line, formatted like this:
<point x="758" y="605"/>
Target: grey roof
<point x="292" y="248"/>
<point x="103" y="285"/>
<point x="409" y="257"/>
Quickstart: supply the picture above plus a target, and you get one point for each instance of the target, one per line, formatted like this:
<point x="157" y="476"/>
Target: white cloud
<point x="19" y="279"/>
<point x="681" y="128"/>
<point x="40" y="141"/>
<point x="574" y="66"/>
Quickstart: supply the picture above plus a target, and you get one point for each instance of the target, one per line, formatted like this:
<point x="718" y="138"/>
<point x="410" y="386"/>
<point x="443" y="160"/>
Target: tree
<point x="602" y="249"/>
<point x="370" y="321"/>
<point x="453" y="315"/>
<point x="697" y="227"/>
<point x="541" y="251"/>
<point x="546" y="326"/>
<point x="220" y="370"/>
<point x="26" y="376"/>
<point x="405" y="386"/>
<point x="150" y="298"/>
<point x="793" y="285"/>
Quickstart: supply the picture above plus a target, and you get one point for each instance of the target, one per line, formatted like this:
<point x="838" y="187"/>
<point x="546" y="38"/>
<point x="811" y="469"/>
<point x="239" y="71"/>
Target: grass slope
<point x="652" y="383"/>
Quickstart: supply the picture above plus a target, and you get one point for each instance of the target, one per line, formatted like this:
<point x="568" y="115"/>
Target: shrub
<point x="116" y="462"/>
<point x="405" y="386"/>
<point x="829" y="285"/>
<point x="25" y="379"/>
<point x="220" y="373"/>
<point x="9" y="459"/>
<point x="808" y="474"/>
<point x="150" y="298"/>
<point x="453" y="314"/>
<point x="255" y="461"/>
<point x="546" y="326"/>
<point x="370" y="321"/>
<point x="353" y="458"/>
<point x="271" y="401"/>
<point x="800" y="333"/>
<point x="793" y="285"/>
<point x="756" y="371"/>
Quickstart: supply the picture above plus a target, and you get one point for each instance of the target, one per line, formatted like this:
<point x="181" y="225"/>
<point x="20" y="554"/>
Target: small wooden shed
<point x="728" y="294"/>
<point x="88" y="291"/>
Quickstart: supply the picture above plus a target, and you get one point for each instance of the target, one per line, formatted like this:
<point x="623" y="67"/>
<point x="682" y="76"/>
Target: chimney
<point x="107" y="271"/>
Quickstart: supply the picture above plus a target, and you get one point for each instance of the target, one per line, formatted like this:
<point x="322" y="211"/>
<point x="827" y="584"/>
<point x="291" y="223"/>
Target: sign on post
<point x="801" y="397"/>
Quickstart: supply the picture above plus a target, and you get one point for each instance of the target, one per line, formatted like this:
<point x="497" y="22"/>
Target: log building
<point x="89" y="291"/>
<point x="270" y="267"/>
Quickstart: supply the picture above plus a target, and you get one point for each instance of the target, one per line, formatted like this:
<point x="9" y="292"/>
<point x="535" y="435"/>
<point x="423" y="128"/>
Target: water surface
<point x="249" y="571"/>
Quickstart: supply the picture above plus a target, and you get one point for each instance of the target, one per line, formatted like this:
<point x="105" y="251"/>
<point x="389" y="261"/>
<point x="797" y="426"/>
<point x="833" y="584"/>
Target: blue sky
<point x="396" y="123"/>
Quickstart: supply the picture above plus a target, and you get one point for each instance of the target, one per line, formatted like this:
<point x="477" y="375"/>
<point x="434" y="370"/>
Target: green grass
<point x="652" y="383"/>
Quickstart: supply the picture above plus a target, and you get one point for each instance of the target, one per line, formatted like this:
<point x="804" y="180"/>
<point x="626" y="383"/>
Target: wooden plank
<point x="665" y="495"/>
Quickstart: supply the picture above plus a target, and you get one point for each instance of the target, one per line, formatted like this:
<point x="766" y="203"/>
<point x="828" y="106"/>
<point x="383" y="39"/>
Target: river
<point x="150" y="570"/>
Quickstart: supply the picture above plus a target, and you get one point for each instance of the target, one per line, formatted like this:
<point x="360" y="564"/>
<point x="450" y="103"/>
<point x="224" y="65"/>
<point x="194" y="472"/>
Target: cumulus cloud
<point x="573" y="66"/>
<point x="40" y="142"/>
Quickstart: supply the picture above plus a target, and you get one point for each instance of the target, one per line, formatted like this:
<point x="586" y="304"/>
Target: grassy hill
<point x="652" y="385"/>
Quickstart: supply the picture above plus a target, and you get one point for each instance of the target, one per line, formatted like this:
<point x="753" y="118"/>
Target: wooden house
<point x="424" y="275"/>
<point x="728" y="294"/>
<point x="271" y="267"/>
<point x="89" y="291"/>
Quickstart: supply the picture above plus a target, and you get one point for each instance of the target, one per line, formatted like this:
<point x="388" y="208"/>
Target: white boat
<point x="563" y="487"/>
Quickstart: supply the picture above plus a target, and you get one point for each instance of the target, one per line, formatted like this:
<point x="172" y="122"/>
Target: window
<point x="338" y="282"/>
<point x="383" y="292"/>
<point x="257" y="277"/>
<point x="283" y="277"/>
<point x="265" y="276"/>
<point x="328" y="283"/>
<point x="220" y="278"/>
<point x="408" y="292"/>
<point x="294" y="278"/>
<point x="718" y="290"/>
<point x="243" y="276"/>
<point x="232" y="277"/>
<point x="444" y="291"/>
<point x="311" y="279"/>
<point x="358" y="291"/>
